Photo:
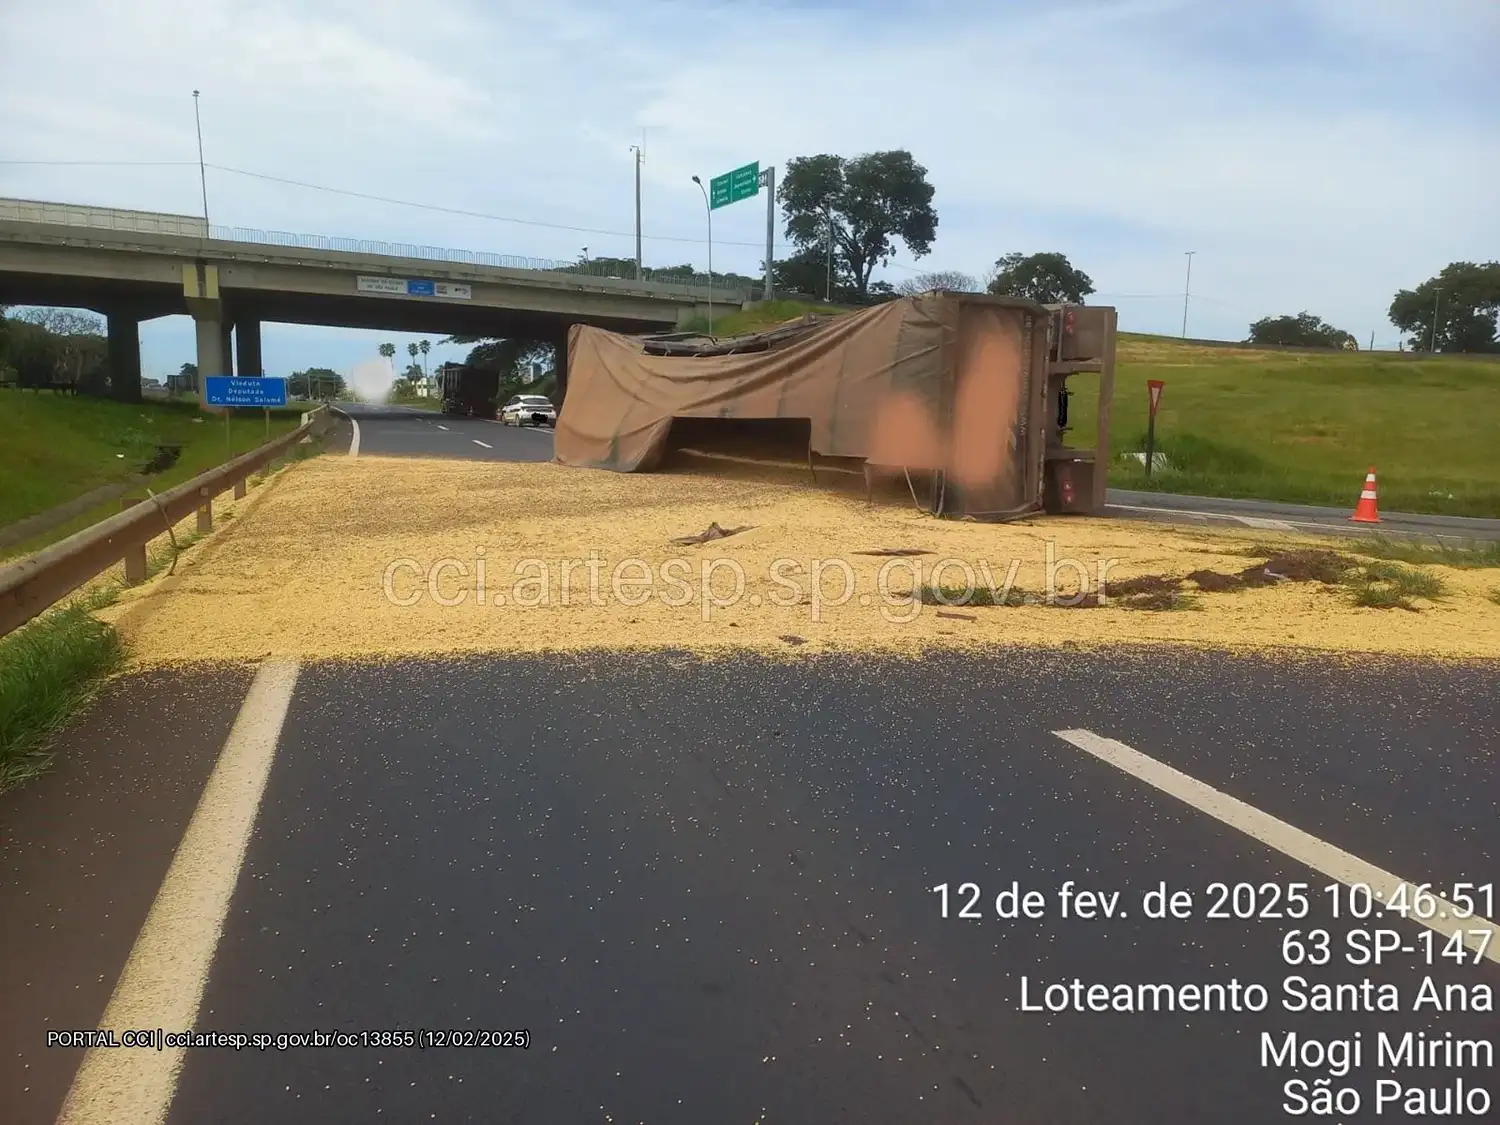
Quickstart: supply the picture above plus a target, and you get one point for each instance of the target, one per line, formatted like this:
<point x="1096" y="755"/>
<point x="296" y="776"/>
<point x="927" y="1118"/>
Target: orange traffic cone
<point x="1365" y="511"/>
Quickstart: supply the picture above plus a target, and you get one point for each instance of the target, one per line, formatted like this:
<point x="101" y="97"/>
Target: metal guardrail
<point x="38" y="582"/>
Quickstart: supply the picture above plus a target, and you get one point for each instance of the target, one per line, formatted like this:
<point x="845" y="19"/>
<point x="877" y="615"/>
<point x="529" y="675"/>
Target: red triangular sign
<point x="1155" y="386"/>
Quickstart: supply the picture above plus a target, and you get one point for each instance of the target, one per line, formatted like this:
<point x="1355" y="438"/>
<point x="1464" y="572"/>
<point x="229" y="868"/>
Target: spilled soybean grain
<point x="307" y="572"/>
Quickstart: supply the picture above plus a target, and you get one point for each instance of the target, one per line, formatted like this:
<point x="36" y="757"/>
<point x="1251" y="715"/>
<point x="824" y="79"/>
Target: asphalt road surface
<point x="705" y="891"/>
<point x="1270" y="515"/>
<point x="647" y="888"/>
<point x="408" y="431"/>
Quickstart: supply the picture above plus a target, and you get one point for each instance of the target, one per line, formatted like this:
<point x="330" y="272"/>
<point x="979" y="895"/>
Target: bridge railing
<point x="609" y="268"/>
<point x="150" y="222"/>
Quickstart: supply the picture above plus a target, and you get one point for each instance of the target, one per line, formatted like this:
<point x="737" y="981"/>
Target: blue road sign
<point x="226" y="390"/>
<point x="421" y="288"/>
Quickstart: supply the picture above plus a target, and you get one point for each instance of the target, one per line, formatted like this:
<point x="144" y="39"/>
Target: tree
<point x="1303" y="331"/>
<point x="389" y="352"/>
<point x="951" y="280"/>
<point x="80" y="354"/>
<point x="315" y="382"/>
<point x="807" y="271"/>
<point x="33" y="352"/>
<point x="509" y="359"/>
<point x="865" y="203"/>
<point x="1464" y="298"/>
<point x="425" y="347"/>
<point x="1047" y="278"/>
<point x="624" y="268"/>
<point x="64" y="322"/>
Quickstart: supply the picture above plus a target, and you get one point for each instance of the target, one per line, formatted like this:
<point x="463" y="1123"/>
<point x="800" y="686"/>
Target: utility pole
<point x="202" y="175"/>
<point x="709" y="208"/>
<point x="768" y="181"/>
<point x="1432" y="336"/>
<point x="637" y="150"/>
<point x="1186" y="287"/>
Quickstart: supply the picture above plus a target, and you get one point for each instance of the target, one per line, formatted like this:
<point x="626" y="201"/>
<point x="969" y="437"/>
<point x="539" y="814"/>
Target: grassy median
<point x="48" y="669"/>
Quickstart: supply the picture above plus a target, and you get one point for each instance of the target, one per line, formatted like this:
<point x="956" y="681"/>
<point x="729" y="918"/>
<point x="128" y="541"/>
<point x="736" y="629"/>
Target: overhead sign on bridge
<point x="413" y="287"/>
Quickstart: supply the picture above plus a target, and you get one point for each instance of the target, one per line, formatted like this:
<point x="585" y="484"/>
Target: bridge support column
<point x="210" y="349"/>
<point x="247" y="347"/>
<point x="226" y="347"/>
<point x="124" y="356"/>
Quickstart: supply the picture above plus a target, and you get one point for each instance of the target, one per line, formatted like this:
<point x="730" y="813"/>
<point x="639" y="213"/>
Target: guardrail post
<point x="239" y="489"/>
<point x="205" y="514"/>
<point x="135" y="557"/>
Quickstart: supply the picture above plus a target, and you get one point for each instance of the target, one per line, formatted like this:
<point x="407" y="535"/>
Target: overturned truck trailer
<point x="964" y="395"/>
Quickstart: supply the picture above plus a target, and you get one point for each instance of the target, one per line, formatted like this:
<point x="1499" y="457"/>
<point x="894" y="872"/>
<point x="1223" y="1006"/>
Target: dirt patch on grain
<point x="1314" y="565"/>
<point x="1146" y="584"/>
<point x="1214" y="582"/>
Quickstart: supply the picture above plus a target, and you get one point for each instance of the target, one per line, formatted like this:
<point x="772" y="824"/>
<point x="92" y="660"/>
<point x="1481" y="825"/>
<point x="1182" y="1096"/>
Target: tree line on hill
<point x="58" y="347"/>
<point x="65" y="348"/>
<point x="844" y="217"/>
<point x="847" y="216"/>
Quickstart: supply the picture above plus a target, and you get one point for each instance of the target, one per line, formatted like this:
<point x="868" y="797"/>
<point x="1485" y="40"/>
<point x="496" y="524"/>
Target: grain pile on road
<point x="351" y="558"/>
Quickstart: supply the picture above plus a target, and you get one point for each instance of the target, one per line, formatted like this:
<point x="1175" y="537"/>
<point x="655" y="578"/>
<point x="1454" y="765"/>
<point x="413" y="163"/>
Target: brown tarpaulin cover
<point x="942" y="382"/>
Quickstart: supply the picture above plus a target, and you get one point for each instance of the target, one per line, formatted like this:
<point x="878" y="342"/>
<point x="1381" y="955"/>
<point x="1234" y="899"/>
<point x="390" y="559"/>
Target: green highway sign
<point x="734" y="186"/>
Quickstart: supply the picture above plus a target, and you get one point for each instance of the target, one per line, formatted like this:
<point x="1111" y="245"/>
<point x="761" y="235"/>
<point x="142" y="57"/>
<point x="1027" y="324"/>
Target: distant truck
<point x="468" y="391"/>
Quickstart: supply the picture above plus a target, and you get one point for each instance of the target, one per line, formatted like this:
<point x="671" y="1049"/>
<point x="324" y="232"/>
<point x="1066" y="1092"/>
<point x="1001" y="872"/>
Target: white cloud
<point x="1316" y="154"/>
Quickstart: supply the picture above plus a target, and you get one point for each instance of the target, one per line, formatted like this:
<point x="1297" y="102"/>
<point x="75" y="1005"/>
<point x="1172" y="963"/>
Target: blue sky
<point x="1315" y="154"/>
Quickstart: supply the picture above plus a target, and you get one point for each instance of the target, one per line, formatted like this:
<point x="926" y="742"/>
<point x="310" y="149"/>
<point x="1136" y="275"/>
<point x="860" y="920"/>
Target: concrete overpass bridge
<point x="133" y="266"/>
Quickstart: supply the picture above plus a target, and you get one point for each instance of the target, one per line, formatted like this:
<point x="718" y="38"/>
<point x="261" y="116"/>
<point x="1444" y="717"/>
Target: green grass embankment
<point x="1303" y="427"/>
<point x="59" y="447"/>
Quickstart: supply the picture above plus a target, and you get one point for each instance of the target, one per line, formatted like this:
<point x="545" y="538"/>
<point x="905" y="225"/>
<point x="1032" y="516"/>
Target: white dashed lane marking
<point x="1477" y="933"/>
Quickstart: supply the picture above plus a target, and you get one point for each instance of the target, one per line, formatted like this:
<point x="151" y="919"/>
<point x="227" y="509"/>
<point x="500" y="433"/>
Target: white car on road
<point x="529" y="410"/>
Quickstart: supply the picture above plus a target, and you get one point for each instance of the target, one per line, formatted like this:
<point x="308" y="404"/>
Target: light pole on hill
<point x="708" y="207"/>
<point x="637" y="150"/>
<point x="1432" y="336"/>
<point x="1186" y="287"/>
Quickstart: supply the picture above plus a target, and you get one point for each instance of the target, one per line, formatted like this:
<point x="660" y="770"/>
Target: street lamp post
<point x="1432" y="336"/>
<point x="637" y="150"/>
<point x="708" y="208"/>
<point x="202" y="175"/>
